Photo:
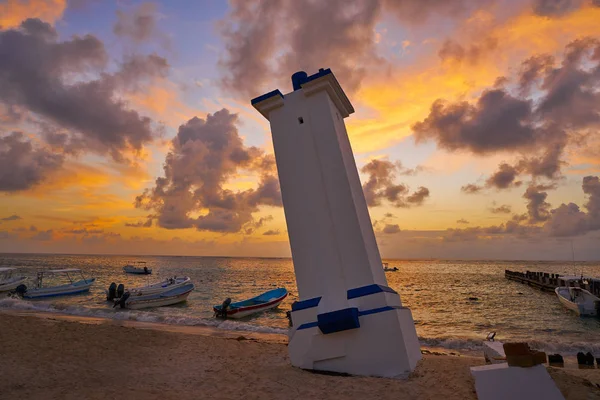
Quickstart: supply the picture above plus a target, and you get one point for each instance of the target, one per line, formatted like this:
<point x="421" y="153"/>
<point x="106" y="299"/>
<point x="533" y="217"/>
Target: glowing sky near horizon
<point x="126" y="127"/>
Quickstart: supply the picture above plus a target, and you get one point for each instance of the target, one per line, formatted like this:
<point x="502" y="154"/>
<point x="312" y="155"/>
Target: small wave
<point x="549" y="346"/>
<point x="134" y="315"/>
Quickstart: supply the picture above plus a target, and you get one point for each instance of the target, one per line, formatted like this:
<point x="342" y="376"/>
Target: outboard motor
<point x="20" y="290"/>
<point x="222" y="313"/>
<point x="122" y="300"/>
<point x="120" y="290"/>
<point x="111" y="294"/>
<point x="146" y="270"/>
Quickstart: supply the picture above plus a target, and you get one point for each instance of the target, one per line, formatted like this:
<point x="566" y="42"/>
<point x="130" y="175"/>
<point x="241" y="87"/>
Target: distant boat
<point x="579" y="300"/>
<point x="8" y="280"/>
<point x="139" y="268"/>
<point x="263" y="302"/>
<point x="73" y="287"/>
<point x="386" y="268"/>
<point x="169" y="297"/>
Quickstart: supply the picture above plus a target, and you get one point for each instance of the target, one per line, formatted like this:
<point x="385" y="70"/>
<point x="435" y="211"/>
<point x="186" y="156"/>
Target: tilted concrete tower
<point x="347" y="319"/>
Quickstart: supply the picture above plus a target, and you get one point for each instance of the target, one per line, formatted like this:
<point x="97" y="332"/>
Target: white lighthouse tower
<point x="347" y="319"/>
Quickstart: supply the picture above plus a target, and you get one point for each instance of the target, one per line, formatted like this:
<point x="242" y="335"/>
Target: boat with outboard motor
<point x="9" y="280"/>
<point x="137" y="300"/>
<point x="73" y="287"/>
<point x="137" y="268"/>
<point x="115" y="292"/>
<point x="386" y="268"/>
<point x="576" y="298"/>
<point x="240" y="309"/>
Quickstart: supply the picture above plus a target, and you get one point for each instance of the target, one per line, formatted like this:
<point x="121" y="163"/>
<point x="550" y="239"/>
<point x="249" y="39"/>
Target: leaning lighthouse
<point x="347" y="319"/>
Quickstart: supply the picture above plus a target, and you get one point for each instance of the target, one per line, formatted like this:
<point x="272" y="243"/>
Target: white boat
<point x="160" y="287"/>
<point x="139" y="268"/>
<point x="169" y="297"/>
<point x="8" y="279"/>
<point x="579" y="300"/>
<point x="73" y="287"/>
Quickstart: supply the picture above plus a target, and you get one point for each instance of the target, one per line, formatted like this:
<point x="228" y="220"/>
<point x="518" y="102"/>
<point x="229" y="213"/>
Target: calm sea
<point x="438" y="293"/>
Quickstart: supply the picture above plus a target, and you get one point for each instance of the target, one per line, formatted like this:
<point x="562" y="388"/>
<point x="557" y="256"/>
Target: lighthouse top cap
<point x="309" y="84"/>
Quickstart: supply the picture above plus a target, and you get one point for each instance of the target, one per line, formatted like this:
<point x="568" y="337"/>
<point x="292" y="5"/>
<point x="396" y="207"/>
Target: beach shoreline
<point x="58" y="356"/>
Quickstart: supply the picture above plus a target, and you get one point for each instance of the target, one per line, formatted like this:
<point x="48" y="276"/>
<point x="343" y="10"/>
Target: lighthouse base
<point x="385" y="344"/>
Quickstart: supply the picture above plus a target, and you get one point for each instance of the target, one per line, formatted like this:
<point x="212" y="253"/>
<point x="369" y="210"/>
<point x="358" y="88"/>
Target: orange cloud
<point x="390" y="103"/>
<point x="13" y="12"/>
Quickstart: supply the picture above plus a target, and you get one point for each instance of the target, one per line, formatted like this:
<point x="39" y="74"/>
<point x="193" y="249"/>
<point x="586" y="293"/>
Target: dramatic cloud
<point x="497" y="122"/>
<point x="205" y="155"/>
<point x="23" y="165"/>
<point x="260" y="49"/>
<point x="504" y="178"/>
<point x="37" y="71"/>
<point x="537" y="207"/>
<point x="569" y="220"/>
<point x="566" y="108"/>
<point x="455" y="52"/>
<point x="418" y="197"/>
<point x="380" y="185"/>
<point x="138" y="25"/>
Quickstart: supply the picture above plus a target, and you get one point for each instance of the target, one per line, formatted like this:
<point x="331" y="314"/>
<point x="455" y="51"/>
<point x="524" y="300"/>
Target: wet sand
<point x="62" y="358"/>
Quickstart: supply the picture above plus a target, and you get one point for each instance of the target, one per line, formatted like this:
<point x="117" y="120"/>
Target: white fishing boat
<point x="160" y="287"/>
<point x="579" y="300"/>
<point x="73" y="287"/>
<point x="138" y="268"/>
<point x="169" y="297"/>
<point x="9" y="280"/>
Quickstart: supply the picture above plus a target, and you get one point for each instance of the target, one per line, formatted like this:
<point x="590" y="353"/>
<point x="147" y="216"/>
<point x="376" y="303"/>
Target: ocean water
<point x="438" y="293"/>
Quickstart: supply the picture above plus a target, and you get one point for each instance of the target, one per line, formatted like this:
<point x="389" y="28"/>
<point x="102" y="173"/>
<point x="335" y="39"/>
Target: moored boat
<point x="9" y="280"/>
<point x="138" y="268"/>
<point x="579" y="300"/>
<point x="174" y="295"/>
<point x="387" y="268"/>
<point x="73" y="287"/>
<point x="240" y="309"/>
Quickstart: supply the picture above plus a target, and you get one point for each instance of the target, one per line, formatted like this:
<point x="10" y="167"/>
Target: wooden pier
<point x="548" y="282"/>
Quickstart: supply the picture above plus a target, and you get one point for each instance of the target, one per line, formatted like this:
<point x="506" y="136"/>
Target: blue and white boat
<point x="137" y="300"/>
<point x="263" y="302"/>
<point x="73" y="287"/>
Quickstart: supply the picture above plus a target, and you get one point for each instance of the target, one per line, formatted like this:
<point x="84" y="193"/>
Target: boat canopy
<point x="6" y="269"/>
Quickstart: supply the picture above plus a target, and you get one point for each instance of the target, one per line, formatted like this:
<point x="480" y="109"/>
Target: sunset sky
<point x="126" y="127"/>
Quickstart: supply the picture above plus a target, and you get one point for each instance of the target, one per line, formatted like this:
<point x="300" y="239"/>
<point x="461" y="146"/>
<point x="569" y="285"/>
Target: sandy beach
<point x="57" y="358"/>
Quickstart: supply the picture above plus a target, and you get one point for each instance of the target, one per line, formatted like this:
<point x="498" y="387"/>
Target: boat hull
<point x="174" y="296"/>
<point x="137" y="271"/>
<point x="244" y="312"/>
<point x="64" y="290"/>
<point x="12" y="284"/>
<point x="587" y="309"/>
<point x="264" y="302"/>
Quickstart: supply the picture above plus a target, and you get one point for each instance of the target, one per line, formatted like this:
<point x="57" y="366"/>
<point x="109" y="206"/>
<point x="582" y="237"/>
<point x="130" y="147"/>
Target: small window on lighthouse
<point x="300" y="120"/>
